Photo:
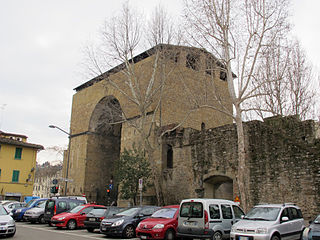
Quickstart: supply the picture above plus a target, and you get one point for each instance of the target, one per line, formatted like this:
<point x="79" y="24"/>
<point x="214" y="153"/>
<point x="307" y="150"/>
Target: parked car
<point x="95" y="217"/>
<point x="313" y="231"/>
<point x="161" y="225"/>
<point x="270" y="221"/>
<point x="18" y="213"/>
<point x="8" y="225"/>
<point x="35" y="214"/>
<point x="74" y="218"/>
<point x="12" y="205"/>
<point x="207" y="218"/>
<point x="125" y="222"/>
<point x="58" y="205"/>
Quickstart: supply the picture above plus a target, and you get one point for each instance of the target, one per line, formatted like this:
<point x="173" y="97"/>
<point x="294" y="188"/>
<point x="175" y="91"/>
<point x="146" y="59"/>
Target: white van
<point x="207" y="218"/>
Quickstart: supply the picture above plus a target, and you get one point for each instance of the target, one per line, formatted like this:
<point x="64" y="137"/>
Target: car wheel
<point x="90" y="229"/>
<point x="217" y="236"/>
<point x="41" y="219"/>
<point x="71" y="225"/>
<point x="128" y="232"/>
<point x="170" y="235"/>
<point x="275" y="237"/>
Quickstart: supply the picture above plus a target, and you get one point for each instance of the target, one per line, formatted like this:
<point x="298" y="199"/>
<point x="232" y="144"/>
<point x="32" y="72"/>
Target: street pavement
<point x="28" y="231"/>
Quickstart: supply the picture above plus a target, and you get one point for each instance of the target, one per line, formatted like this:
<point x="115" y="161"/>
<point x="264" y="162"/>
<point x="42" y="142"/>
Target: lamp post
<point x="68" y="158"/>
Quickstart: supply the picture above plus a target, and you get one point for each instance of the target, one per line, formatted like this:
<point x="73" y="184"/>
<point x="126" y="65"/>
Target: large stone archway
<point x="218" y="187"/>
<point x="103" y="150"/>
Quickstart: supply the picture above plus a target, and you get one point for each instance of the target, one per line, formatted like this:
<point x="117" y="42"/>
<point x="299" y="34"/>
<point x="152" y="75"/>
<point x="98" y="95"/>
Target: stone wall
<point x="283" y="157"/>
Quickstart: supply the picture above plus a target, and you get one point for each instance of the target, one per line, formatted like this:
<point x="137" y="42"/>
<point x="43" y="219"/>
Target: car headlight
<point x="117" y="223"/>
<point x="158" y="226"/>
<point x="61" y="218"/>
<point x="18" y="211"/>
<point x="11" y="222"/>
<point x="261" y="230"/>
<point x="233" y="229"/>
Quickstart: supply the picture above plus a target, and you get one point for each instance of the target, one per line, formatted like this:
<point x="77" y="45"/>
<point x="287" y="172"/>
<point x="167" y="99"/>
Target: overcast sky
<point x="40" y="56"/>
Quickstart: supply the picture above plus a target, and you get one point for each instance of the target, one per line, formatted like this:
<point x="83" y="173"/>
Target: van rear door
<point x="191" y="218"/>
<point x="49" y="209"/>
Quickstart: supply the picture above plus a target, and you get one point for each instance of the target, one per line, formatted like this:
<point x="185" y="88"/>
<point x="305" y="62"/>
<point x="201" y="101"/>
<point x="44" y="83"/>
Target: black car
<point x="124" y="223"/>
<point x="313" y="231"/>
<point x="58" y="205"/>
<point x="95" y="217"/>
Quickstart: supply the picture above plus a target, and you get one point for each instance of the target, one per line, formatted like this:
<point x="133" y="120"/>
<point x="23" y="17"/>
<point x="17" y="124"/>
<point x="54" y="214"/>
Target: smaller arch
<point x="218" y="186"/>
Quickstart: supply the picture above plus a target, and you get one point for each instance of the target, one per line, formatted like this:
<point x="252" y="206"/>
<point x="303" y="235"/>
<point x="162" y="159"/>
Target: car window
<point x="192" y="210"/>
<point x="86" y="210"/>
<point x="147" y="211"/>
<point x="77" y="209"/>
<point x="30" y="203"/>
<point x="50" y="204"/>
<point x="62" y="205"/>
<point x="294" y="213"/>
<point x="40" y="203"/>
<point x="285" y="213"/>
<point x="3" y="210"/>
<point x="165" y="213"/>
<point x="128" y="212"/>
<point x="112" y="211"/>
<point x="263" y="213"/>
<point x="214" y="211"/>
<point x="72" y="205"/>
<point x="237" y="212"/>
<point x="226" y="211"/>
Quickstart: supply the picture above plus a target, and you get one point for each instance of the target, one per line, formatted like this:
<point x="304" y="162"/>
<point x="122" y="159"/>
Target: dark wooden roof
<point x="140" y="57"/>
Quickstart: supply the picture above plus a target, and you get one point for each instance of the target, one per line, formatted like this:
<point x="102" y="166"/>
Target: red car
<point x="161" y="225"/>
<point x="74" y="218"/>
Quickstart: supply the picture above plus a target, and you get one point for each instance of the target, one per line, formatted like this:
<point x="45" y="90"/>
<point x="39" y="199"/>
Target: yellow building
<point x="17" y="166"/>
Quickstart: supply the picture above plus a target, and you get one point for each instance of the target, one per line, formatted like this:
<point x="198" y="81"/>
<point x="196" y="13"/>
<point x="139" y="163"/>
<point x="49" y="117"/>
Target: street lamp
<point x="67" y="170"/>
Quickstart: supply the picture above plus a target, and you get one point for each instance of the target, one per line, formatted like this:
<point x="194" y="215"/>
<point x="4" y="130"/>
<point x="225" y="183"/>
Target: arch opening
<point x="220" y="187"/>
<point x="103" y="150"/>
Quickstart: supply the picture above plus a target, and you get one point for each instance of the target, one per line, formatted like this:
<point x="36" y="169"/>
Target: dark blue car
<point x="17" y="214"/>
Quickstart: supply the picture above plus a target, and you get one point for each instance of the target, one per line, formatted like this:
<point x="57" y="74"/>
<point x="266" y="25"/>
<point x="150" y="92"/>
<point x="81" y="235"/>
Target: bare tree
<point x="237" y="32"/>
<point x="289" y="80"/>
<point x="141" y="85"/>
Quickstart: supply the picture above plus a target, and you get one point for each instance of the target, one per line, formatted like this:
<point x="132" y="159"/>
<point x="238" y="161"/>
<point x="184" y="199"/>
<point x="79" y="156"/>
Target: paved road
<point x="28" y="231"/>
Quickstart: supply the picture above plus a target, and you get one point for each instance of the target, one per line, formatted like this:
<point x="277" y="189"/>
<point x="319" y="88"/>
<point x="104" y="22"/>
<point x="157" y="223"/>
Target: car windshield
<point x="2" y="210"/>
<point x="77" y="209"/>
<point x="30" y="203"/>
<point x="164" y="213"/>
<point x="99" y="212"/>
<point x="317" y="220"/>
<point x="42" y="205"/>
<point x="263" y="213"/>
<point x="129" y="212"/>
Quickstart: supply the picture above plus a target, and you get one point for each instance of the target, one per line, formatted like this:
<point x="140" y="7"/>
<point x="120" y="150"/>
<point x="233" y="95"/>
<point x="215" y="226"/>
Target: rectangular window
<point x="0" y="171"/>
<point x="15" y="176"/>
<point x="214" y="211"/>
<point x="226" y="211"/>
<point x="191" y="210"/>
<point x="18" y="153"/>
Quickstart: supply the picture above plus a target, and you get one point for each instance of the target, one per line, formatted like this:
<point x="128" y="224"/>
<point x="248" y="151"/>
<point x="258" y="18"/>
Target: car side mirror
<point x="284" y="219"/>
<point x="140" y="215"/>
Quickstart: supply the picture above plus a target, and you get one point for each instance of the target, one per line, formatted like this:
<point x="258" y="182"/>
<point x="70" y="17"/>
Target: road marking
<point x="67" y="233"/>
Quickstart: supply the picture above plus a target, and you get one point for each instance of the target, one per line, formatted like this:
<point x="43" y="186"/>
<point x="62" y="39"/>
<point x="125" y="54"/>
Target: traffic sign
<point x="140" y="184"/>
<point x="237" y="199"/>
<point x="110" y="186"/>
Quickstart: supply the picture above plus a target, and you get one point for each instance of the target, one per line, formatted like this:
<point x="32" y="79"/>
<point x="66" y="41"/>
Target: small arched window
<point x="169" y="156"/>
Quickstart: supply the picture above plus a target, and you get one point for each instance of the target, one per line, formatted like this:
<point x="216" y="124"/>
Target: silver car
<point x="35" y="214"/>
<point x="270" y="222"/>
<point x="7" y="224"/>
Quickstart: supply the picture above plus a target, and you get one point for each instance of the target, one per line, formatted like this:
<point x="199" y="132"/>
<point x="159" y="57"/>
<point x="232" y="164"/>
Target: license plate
<point x="48" y="212"/>
<point x="143" y="237"/>
<point x="103" y="229"/>
<point x="53" y="225"/>
<point x="243" y="238"/>
<point x="2" y="228"/>
<point x="92" y="219"/>
<point x="187" y="223"/>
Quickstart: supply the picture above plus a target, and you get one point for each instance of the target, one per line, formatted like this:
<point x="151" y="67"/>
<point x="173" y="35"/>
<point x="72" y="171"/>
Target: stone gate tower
<point x="98" y="133"/>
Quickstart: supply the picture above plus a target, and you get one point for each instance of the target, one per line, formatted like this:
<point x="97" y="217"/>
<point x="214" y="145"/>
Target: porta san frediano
<point x="95" y="144"/>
